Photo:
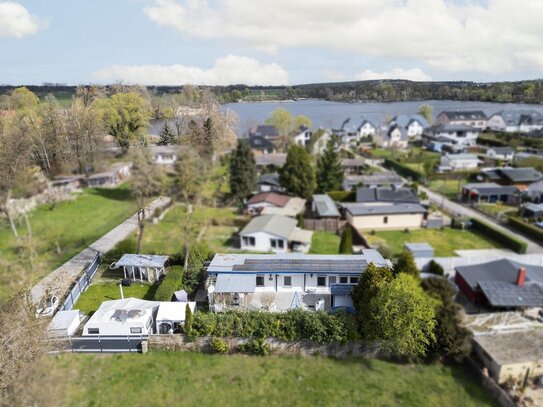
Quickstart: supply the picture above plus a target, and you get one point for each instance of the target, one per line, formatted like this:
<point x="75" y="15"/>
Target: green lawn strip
<point x="91" y="299"/>
<point x="195" y="379"/>
<point x="444" y="242"/>
<point x="496" y="209"/>
<point x="451" y="188"/>
<point x="324" y="243"/>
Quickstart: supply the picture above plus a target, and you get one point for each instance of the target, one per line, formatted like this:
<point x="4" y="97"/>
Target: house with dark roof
<point x="457" y="137"/>
<point x="414" y="124"/>
<point x="392" y="136"/>
<point x="301" y="135"/>
<point x="386" y="195"/>
<point x="458" y="162"/>
<point x="283" y="281"/>
<point x="519" y="177"/>
<point x="501" y="153"/>
<point x="269" y="182"/>
<point x="266" y="199"/>
<point x="490" y="192"/>
<point x="386" y="179"/>
<point x="366" y="128"/>
<point x="262" y="145"/>
<point x="268" y="131"/>
<point x="534" y="192"/>
<point x="270" y="162"/>
<point x="473" y="118"/>
<point x="275" y="233"/>
<point x="501" y="284"/>
<point x="353" y="166"/>
<point x="383" y="216"/>
<point x="531" y="210"/>
<point x="521" y="120"/>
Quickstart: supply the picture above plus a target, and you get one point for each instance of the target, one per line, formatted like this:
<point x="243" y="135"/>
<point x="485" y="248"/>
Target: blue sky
<point x="268" y="42"/>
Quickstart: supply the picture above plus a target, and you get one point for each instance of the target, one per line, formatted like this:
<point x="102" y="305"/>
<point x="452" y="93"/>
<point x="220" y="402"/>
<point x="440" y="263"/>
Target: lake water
<point x="328" y="114"/>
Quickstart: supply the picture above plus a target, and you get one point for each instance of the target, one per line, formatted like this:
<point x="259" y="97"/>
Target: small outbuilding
<point x="180" y="296"/>
<point x="171" y="316"/>
<point x="142" y="266"/>
<point x="420" y="249"/>
<point x="64" y="323"/>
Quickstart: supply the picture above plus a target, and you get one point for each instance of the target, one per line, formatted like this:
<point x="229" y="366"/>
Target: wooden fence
<point x="324" y="225"/>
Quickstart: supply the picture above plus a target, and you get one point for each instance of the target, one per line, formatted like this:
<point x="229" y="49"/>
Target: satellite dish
<point x="211" y="289"/>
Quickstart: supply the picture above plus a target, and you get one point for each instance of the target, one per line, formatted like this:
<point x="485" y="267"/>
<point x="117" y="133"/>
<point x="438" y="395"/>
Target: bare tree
<point x="147" y="181"/>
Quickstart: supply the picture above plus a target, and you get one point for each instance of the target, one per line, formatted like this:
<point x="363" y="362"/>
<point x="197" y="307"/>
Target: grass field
<point x="451" y="188"/>
<point x="91" y="299"/>
<point x="324" y="243"/>
<point x="496" y="209"/>
<point x="445" y="241"/>
<point x="194" y="379"/>
<point x="62" y="232"/>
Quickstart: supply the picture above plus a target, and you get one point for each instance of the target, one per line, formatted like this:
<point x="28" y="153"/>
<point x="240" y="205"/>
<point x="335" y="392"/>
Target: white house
<point x="164" y="155"/>
<point x="366" y="128"/>
<point x="141" y="266"/>
<point x="302" y="135"/>
<point x="523" y="121"/>
<point x="171" y="316"/>
<point x="501" y="153"/>
<point x="128" y="316"/>
<point x="280" y="282"/>
<point x="263" y="200"/>
<point x="384" y="216"/>
<point x="458" y="162"/>
<point x="392" y="137"/>
<point x="274" y="233"/>
<point x="320" y="143"/>
<point x="414" y="125"/>
<point x="457" y="136"/>
<point x="472" y="118"/>
<point x="268" y="183"/>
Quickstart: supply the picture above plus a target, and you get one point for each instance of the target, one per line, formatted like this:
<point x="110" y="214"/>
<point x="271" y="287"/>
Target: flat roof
<point x="362" y="209"/>
<point x="141" y="260"/>
<point x="326" y="207"/>
<point x="418" y="246"/>
<point x="173" y="311"/>
<point x="63" y="320"/>
<point x="515" y="347"/>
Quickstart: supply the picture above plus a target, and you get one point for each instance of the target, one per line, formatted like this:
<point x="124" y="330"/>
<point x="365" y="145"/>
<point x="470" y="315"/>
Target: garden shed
<point x="142" y="266"/>
<point x="65" y="323"/>
<point x="420" y="249"/>
<point x="171" y="316"/>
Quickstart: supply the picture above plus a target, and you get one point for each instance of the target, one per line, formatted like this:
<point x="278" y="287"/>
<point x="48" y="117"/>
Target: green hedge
<point x="169" y="284"/>
<point x="342" y="196"/>
<point x="292" y="325"/>
<point x="403" y="170"/>
<point x="525" y="227"/>
<point x="508" y="240"/>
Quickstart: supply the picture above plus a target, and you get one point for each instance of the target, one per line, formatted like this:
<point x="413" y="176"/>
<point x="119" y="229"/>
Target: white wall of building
<point x="263" y="243"/>
<point x="386" y="222"/>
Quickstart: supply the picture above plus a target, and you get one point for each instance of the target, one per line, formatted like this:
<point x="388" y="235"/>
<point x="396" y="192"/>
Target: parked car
<point x="48" y="306"/>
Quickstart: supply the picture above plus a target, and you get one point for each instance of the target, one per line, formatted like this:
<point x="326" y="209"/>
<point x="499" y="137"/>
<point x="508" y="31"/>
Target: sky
<point x="261" y="42"/>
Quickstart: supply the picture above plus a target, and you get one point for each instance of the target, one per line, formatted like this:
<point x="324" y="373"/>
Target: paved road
<point x="461" y="210"/>
<point x="60" y="280"/>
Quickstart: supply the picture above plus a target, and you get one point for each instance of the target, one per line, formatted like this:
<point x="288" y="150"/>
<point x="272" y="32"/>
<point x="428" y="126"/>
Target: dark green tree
<point x="346" y="243"/>
<point x="406" y="264"/>
<point x="166" y="135"/>
<point x="242" y="172"/>
<point x="435" y="268"/>
<point x="187" y="327"/>
<point x="371" y="281"/>
<point x="329" y="171"/>
<point x="452" y="339"/>
<point x="297" y="176"/>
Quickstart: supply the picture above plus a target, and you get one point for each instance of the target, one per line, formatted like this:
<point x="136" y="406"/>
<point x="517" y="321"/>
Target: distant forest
<point x="361" y="91"/>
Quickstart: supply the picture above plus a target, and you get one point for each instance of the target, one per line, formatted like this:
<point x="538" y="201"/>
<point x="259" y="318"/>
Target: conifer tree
<point x="329" y="171"/>
<point x="297" y="176"/>
<point x="242" y="172"/>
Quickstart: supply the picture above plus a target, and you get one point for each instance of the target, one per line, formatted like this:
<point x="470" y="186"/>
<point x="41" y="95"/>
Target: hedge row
<point x="525" y="227"/>
<point x="342" y="196"/>
<point x="506" y="239"/>
<point x="292" y="325"/>
<point x="169" y="284"/>
<point x="403" y="170"/>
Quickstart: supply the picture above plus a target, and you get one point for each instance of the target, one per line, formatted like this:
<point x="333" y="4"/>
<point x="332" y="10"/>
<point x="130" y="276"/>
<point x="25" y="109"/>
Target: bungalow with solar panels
<point x="473" y="118"/>
<point x="280" y="282"/>
<point x="501" y="284"/>
<point x="519" y="177"/>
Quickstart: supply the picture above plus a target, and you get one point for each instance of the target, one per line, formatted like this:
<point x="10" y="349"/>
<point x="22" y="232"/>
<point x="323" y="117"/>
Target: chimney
<point x="521" y="276"/>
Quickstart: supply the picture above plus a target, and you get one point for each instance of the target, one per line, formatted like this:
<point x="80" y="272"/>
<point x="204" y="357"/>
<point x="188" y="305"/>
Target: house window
<point x="287" y="281"/>
<point x="93" y="331"/>
<point x="344" y="280"/>
<point x="332" y="279"/>
<point x="135" y="330"/>
<point x="354" y="280"/>
<point x="277" y="243"/>
<point x="385" y="220"/>
<point x="249" y="241"/>
<point x="260" y="281"/>
<point x="321" y="281"/>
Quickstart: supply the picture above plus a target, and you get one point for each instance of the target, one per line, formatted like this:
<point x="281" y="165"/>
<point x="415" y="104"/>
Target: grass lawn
<point x="451" y="188"/>
<point x="445" y="241"/>
<point x="216" y="226"/>
<point x="496" y="209"/>
<point x="195" y="379"/>
<point x="91" y="299"/>
<point x="62" y="232"/>
<point x="324" y="243"/>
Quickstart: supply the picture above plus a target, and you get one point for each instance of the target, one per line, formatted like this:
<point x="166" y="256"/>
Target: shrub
<point x="193" y="276"/>
<point x="403" y="170"/>
<point x="218" y="345"/>
<point x="169" y="284"/>
<point x="342" y="196"/>
<point x="506" y="239"/>
<point x="256" y="346"/>
<point x="346" y="243"/>
<point x="435" y="268"/>
<point x="300" y="220"/>
<point x="187" y="327"/>
<point x="527" y="228"/>
<point x="158" y="211"/>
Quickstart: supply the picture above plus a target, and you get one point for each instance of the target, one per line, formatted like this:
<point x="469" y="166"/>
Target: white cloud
<point x="495" y="36"/>
<point x="414" y="74"/>
<point x="17" y="22"/>
<point x="227" y="70"/>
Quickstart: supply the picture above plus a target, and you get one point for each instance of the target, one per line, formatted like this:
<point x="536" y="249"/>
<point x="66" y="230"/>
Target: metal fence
<point x="107" y="344"/>
<point x="81" y="283"/>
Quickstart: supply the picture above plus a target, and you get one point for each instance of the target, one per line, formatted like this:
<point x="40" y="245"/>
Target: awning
<point x="235" y="283"/>
<point x="301" y="236"/>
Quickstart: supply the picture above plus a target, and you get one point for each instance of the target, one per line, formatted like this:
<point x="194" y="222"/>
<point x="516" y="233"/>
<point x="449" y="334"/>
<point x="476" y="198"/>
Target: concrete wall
<point x="395" y="222"/>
